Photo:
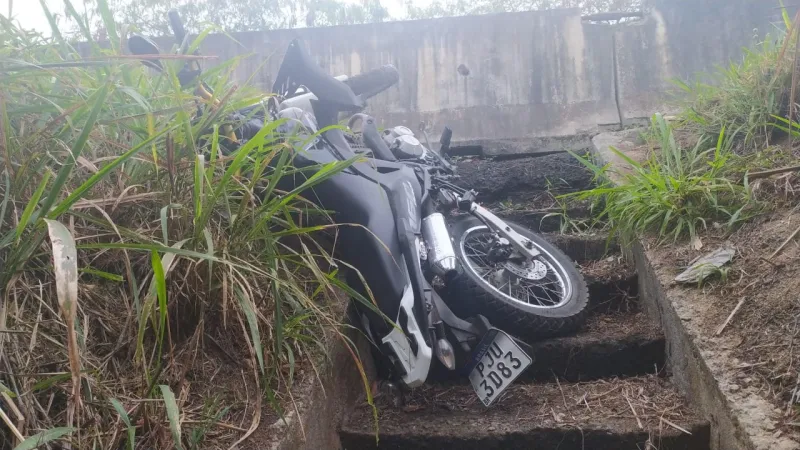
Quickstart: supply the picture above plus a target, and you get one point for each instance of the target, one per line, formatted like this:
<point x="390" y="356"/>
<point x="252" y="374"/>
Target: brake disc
<point x="533" y="270"/>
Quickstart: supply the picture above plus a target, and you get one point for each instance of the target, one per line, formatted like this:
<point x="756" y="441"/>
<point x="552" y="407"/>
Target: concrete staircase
<point x="602" y="389"/>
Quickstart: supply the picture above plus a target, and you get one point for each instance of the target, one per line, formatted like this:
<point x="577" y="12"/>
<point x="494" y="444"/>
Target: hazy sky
<point x="29" y="12"/>
<point x="30" y="15"/>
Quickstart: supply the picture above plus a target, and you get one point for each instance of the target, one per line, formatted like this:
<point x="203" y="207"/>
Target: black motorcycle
<point x="446" y="270"/>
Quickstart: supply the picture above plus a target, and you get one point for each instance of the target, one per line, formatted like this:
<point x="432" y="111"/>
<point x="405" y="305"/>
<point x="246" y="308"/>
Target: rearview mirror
<point x="447" y="136"/>
<point x="140" y="45"/>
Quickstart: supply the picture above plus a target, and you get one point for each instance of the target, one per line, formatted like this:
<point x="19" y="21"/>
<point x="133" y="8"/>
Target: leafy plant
<point x="675" y="192"/>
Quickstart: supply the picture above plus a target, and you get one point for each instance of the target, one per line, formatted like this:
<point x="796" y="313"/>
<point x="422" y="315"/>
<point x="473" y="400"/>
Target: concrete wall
<point x="532" y="74"/>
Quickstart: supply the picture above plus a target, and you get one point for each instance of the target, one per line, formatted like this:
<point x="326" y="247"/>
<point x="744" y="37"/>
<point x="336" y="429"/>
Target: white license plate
<point x="502" y="363"/>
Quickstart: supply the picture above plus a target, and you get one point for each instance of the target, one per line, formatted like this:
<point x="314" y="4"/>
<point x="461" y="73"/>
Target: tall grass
<point x="195" y="270"/>
<point x="748" y="94"/>
<point x="675" y="192"/>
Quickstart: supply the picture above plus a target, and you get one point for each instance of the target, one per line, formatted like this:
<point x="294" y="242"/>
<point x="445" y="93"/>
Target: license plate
<point x="502" y="362"/>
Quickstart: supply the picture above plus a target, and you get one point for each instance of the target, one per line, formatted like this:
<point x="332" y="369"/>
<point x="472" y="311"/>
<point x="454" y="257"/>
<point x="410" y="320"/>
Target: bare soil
<point x="763" y="334"/>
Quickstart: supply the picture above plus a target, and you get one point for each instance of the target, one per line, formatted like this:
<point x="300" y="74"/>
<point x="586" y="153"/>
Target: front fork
<point x="520" y="243"/>
<point x="442" y="260"/>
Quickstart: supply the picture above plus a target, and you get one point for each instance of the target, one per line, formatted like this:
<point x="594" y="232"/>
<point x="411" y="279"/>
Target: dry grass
<point x="647" y="402"/>
<point x="203" y="291"/>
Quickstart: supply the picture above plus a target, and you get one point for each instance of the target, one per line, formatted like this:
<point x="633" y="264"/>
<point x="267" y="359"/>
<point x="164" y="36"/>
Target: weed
<point x="569" y="224"/>
<point x="675" y="192"/>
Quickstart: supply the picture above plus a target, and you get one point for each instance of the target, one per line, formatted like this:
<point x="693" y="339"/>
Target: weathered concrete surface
<point x="703" y="369"/>
<point x="628" y="142"/>
<point x="314" y="421"/>
<point x="534" y="146"/>
<point x="531" y="74"/>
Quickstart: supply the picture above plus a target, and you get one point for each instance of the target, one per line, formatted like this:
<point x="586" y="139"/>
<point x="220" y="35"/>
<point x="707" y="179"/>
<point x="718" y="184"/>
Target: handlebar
<point x="370" y="83"/>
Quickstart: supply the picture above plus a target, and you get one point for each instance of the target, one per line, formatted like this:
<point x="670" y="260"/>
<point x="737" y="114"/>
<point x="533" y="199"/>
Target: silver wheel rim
<point x="553" y="291"/>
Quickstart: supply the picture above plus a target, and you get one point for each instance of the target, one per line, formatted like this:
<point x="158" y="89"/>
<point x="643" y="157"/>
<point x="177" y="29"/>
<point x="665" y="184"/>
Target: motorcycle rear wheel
<point x="541" y="298"/>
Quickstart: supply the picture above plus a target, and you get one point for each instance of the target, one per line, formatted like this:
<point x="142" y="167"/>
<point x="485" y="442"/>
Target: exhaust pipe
<point x="441" y="255"/>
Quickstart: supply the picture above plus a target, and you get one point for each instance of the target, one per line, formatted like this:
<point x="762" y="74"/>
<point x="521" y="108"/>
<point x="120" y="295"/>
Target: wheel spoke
<point x="547" y="292"/>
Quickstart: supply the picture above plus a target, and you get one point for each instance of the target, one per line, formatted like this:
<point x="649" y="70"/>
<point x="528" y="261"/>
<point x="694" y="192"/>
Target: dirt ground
<point x="763" y="334"/>
<point x="615" y="403"/>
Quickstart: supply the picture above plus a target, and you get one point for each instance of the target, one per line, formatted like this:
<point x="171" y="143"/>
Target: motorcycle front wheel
<point x="542" y="297"/>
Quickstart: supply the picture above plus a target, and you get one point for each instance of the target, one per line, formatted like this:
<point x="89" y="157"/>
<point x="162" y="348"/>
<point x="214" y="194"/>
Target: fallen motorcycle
<point x="456" y="281"/>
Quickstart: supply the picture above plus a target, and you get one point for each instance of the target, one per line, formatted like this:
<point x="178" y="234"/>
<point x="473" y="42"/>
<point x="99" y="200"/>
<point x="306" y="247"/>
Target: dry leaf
<point x="65" y="264"/>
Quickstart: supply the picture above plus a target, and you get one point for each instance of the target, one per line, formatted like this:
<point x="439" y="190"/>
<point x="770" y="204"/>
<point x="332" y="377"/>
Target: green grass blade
<point x="127" y="420"/>
<point x="252" y="323"/>
<point x="109" y="23"/>
<point x="102" y="274"/>
<point x="199" y="170"/>
<point x="159" y="279"/>
<point x="173" y="415"/>
<point x="79" y="192"/>
<point x="155" y="293"/>
<point x="32" y="204"/>
<point x="82" y="24"/>
<point x="52" y="21"/>
<point x="77" y="149"/>
<point x="47" y="436"/>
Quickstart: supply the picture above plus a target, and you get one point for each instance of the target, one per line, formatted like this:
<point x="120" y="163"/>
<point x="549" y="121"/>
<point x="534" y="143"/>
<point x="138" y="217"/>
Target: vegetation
<point x="683" y="188"/>
<point x="247" y="15"/>
<point x="675" y="192"/>
<point x="146" y="16"/>
<point x="151" y="278"/>
<point x="754" y="95"/>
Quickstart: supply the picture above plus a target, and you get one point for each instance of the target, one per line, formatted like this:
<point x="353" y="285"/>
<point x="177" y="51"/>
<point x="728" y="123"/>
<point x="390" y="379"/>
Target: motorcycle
<point x="458" y="282"/>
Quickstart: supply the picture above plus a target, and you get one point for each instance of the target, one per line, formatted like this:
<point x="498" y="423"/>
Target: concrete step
<point x="616" y="414"/>
<point x="617" y="339"/>
<point x="609" y="345"/>
<point x="613" y="286"/>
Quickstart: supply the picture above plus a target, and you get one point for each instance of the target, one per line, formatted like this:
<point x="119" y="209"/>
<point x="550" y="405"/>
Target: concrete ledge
<point x="700" y="368"/>
<point x="319" y="406"/>
<point x="703" y="369"/>
<point x="511" y="148"/>
<point x="685" y="361"/>
<point x="627" y="142"/>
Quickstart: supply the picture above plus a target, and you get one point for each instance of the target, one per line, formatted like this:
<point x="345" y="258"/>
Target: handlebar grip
<point x="373" y="82"/>
<point x="176" y="24"/>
